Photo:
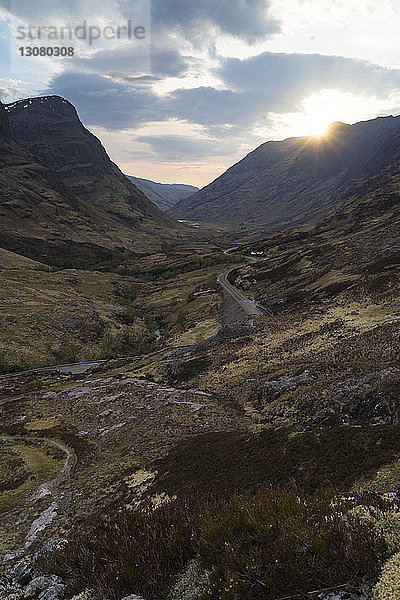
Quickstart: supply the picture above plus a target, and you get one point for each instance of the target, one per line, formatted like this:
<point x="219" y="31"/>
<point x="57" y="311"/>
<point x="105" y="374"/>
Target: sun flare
<point x="327" y="106"/>
<point x="316" y="112"/>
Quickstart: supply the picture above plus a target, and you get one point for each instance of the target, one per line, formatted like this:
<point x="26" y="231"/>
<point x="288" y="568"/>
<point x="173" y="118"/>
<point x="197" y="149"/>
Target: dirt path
<point x="48" y="488"/>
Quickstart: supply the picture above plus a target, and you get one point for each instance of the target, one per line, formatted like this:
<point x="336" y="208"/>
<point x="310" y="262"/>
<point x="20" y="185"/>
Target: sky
<point x="195" y="85"/>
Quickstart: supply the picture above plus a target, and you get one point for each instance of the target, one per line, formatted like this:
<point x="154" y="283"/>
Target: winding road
<point x="250" y="307"/>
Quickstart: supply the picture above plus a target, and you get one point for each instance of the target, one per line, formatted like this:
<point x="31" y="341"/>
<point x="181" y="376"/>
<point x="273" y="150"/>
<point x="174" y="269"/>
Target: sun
<point x="320" y="110"/>
<point x="317" y="111"/>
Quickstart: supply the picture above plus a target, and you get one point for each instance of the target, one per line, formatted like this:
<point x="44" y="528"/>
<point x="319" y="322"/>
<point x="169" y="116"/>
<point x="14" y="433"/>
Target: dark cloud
<point x="287" y="78"/>
<point x="103" y="102"/>
<point x="254" y="87"/>
<point x="193" y="19"/>
<point x="199" y="21"/>
<point x="168" y="62"/>
<point x="128" y="61"/>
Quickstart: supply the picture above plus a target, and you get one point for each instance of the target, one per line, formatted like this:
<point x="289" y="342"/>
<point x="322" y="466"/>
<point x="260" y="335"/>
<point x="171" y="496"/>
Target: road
<point x="250" y="307"/>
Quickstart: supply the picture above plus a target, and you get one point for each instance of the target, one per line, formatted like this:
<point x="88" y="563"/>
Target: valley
<point x="231" y="365"/>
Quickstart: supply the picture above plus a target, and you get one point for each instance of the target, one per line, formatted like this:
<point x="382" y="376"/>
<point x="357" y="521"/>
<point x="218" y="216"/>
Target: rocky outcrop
<point x="25" y="581"/>
<point x="375" y="396"/>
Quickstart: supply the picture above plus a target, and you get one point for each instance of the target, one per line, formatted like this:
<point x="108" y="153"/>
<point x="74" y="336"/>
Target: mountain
<point x="62" y="197"/>
<point x="293" y="181"/>
<point x="49" y="128"/>
<point x="155" y="196"/>
<point x="39" y="215"/>
<point x="5" y="133"/>
<point x="164" y="195"/>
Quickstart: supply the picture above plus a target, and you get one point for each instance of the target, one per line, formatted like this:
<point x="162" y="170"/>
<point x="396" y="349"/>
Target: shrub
<point x="388" y="586"/>
<point x="7" y="364"/>
<point x="279" y="543"/>
<point x="181" y="371"/>
<point x="386" y="520"/>
<point x="150" y="322"/>
<point x="191" y="583"/>
<point x="64" y="353"/>
<point x="138" y="551"/>
<point x="333" y="457"/>
<point x="125" y="343"/>
<point x="269" y="545"/>
<point x="128" y="294"/>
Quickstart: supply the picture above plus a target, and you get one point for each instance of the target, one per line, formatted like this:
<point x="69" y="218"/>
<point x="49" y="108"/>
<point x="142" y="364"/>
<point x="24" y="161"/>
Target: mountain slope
<point x="69" y="205"/>
<point x="38" y="213"/>
<point x="295" y="180"/>
<point x="164" y="195"/>
<point x="156" y="197"/>
<point x="50" y="129"/>
<point x="5" y="133"/>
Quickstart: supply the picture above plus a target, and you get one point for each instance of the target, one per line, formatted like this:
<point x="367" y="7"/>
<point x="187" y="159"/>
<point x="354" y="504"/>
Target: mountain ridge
<point x="293" y="180"/>
<point x="49" y="127"/>
<point x="55" y="212"/>
<point x="164" y="195"/>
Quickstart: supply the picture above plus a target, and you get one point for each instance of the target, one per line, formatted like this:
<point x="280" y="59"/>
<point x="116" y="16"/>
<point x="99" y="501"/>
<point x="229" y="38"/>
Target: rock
<point x="342" y="595"/>
<point x="45" y="587"/>
<point x="12" y="592"/>
<point x="49" y="547"/>
<point x="375" y="395"/>
<point x="54" y="592"/>
<point x="5" y="583"/>
<point x="85" y="595"/>
<point x="133" y="597"/>
<point x="287" y="383"/>
<point x="22" y="573"/>
<point x="321" y="416"/>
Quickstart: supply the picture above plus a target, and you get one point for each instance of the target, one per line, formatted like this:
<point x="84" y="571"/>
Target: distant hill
<point x="164" y="195"/>
<point x="290" y="182"/>
<point x="62" y="195"/>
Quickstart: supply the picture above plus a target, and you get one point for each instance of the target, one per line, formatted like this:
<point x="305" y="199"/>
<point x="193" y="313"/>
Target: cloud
<point x="128" y="61"/>
<point x="182" y="148"/>
<point x="106" y="103"/>
<point x="287" y="78"/>
<point x="278" y="83"/>
<point x="253" y="88"/>
<point x="200" y="21"/>
<point x="197" y="21"/>
<point x="48" y="11"/>
<point x="167" y="62"/>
